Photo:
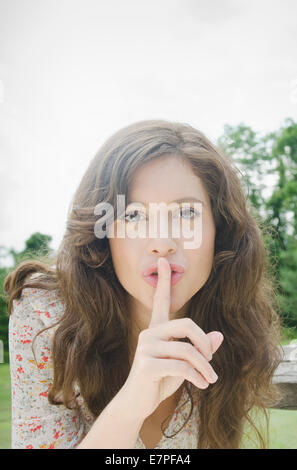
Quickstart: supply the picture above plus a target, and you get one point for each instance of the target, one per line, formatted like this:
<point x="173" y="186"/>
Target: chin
<point x="174" y="310"/>
<point x="175" y="305"/>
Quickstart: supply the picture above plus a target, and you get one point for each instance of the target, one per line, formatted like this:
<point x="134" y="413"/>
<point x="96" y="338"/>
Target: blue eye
<point x="131" y="213"/>
<point x="191" y="210"/>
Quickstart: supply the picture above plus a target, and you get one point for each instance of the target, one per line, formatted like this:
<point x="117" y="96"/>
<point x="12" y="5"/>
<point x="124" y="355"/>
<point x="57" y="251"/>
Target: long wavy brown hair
<point x="91" y="342"/>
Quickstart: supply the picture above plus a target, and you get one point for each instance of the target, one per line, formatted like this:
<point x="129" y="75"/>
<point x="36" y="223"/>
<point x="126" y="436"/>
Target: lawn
<point x="283" y="423"/>
<point x="5" y="407"/>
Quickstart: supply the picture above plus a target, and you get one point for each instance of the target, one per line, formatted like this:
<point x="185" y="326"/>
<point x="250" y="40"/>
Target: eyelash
<point x="194" y="211"/>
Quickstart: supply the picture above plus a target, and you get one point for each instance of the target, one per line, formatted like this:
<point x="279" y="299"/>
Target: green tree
<point x="251" y="154"/>
<point x="282" y="205"/>
<point x="268" y="165"/>
<point x="288" y="283"/>
<point x="282" y="212"/>
<point x="35" y="247"/>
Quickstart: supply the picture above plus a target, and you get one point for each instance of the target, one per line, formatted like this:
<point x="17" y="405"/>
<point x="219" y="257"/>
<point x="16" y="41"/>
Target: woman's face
<point x="165" y="180"/>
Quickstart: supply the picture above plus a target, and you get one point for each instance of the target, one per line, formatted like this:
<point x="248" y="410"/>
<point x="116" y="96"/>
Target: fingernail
<point x="215" y="377"/>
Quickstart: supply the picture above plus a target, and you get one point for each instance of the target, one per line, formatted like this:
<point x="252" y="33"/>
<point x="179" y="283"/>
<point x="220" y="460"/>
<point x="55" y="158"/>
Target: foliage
<point x="268" y="165"/>
<point x="35" y="247"/>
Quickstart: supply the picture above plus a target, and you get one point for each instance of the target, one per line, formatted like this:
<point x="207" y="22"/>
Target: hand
<point x="161" y="365"/>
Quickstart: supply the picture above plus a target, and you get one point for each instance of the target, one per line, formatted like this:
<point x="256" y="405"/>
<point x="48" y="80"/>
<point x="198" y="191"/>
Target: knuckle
<point x="189" y="350"/>
<point x="142" y="336"/>
<point x="184" y="367"/>
<point x="201" y="332"/>
<point x="188" y="322"/>
<point x="143" y="332"/>
<point x="184" y="348"/>
<point x="141" y="349"/>
<point x="203" y="338"/>
<point x="142" y="342"/>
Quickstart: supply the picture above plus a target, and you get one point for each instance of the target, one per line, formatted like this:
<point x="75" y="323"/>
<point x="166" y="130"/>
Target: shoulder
<point x="44" y="304"/>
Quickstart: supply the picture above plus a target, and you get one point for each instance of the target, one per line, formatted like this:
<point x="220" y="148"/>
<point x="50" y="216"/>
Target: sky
<point x="73" y="72"/>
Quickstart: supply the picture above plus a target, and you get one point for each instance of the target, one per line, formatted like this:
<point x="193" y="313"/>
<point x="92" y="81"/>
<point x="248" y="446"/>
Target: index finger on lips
<point x="161" y="302"/>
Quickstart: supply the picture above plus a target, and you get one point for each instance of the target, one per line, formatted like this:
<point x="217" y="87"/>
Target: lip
<point x="177" y="272"/>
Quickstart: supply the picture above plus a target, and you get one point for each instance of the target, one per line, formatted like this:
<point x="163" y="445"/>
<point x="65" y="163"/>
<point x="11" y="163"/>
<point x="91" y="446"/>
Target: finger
<point x="185" y="352"/>
<point x="185" y="327"/>
<point x="161" y="302"/>
<point x="216" y="338"/>
<point x="176" y="368"/>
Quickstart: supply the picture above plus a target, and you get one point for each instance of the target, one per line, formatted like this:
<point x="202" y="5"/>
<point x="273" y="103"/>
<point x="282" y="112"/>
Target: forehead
<point x="166" y="179"/>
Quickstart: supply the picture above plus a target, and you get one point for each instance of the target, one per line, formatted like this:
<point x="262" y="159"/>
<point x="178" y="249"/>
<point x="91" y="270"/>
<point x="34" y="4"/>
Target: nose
<point x="161" y="246"/>
<point x="161" y="243"/>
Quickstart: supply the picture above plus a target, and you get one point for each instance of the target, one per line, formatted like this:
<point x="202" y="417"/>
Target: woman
<point x="107" y="373"/>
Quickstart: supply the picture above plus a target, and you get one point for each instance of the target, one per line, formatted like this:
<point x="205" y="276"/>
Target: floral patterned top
<point x="36" y="424"/>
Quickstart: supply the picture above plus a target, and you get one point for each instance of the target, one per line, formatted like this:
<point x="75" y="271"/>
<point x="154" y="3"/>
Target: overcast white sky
<point x="72" y="72"/>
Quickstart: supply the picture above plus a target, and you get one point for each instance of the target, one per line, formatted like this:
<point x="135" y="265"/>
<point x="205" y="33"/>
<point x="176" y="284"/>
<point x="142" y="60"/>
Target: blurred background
<point x="73" y="72"/>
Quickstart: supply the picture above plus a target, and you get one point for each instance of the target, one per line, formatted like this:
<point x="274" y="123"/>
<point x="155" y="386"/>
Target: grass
<point x="5" y="407"/>
<point x="282" y="430"/>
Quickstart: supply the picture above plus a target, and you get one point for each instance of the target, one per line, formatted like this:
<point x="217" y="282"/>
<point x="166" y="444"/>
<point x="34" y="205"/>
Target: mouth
<point x="150" y="275"/>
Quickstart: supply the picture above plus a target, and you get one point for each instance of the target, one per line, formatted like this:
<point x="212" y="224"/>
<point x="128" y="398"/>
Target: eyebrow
<point x="183" y="199"/>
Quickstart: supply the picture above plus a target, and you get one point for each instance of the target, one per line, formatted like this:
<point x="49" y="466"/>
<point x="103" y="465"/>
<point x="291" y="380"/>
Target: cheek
<point x="202" y="259"/>
<point x="125" y="261"/>
<point x="118" y="252"/>
<point x="120" y="256"/>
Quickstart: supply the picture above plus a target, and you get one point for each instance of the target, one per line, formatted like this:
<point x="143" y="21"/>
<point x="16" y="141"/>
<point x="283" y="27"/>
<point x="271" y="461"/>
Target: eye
<point x="190" y="211"/>
<point x="130" y="216"/>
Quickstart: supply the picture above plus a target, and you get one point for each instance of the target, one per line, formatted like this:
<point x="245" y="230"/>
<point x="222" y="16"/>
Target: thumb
<point x="216" y="339"/>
